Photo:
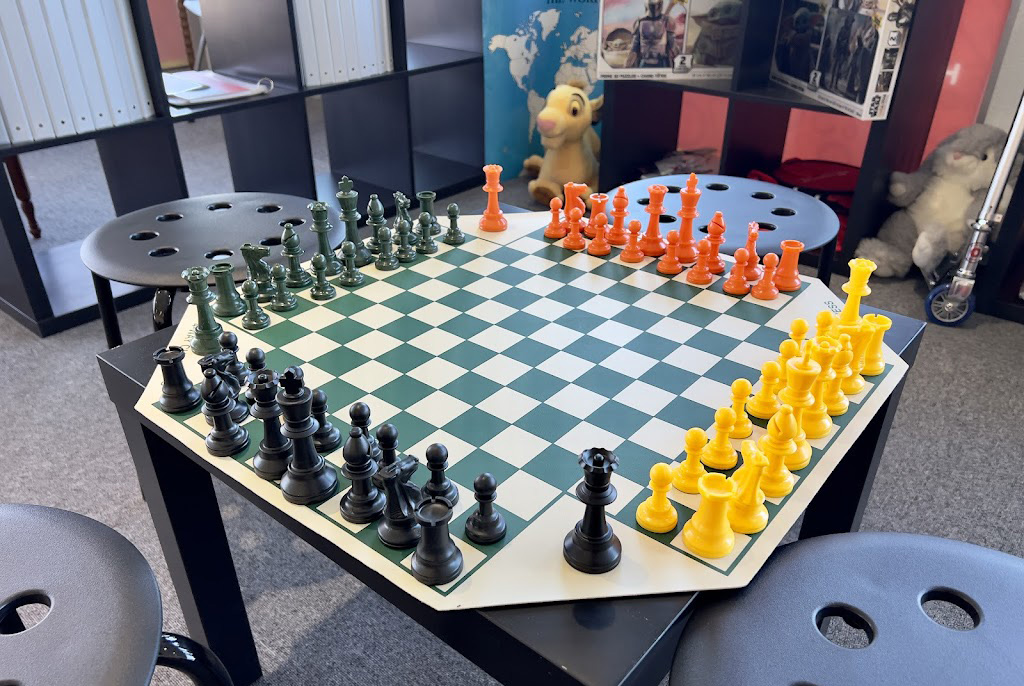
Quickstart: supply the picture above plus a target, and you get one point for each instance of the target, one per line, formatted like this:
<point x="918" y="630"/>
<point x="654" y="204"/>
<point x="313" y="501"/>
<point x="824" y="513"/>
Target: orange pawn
<point x="699" y="274"/>
<point x="652" y="243"/>
<point x="493" y="218"/>
<point x="600" y="246"/>
<point x="617" y="234"/>
<point x="765" y="289"/>
<point x="668" y="264"/>
<point x="555" y="228"/>
<point x="574" y="240"/>
<point x="736" y="284"/>
<point x="632" y="251"/>
<point x="753" y="269"/>
<point x="716" y="236"/>
<point x="686" y="251"/>
<point x="787" y="276"/>
<point x="598" y="203"/>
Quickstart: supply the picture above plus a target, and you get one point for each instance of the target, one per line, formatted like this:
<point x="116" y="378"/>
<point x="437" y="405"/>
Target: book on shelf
<point x="189" y="88"/>
<point x="342" y="40"/>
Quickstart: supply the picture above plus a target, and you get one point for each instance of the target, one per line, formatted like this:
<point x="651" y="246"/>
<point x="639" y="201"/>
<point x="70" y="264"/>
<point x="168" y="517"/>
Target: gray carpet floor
<point x="952" y="466"/>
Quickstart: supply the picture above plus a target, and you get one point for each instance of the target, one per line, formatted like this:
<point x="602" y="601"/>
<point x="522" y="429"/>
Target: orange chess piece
<point x="716" y="236"/>
<point x="555" y="229"/>
<point x="765" y="289"/>
<point x="753" y="269"/>
<point x="574" y="240"/>
<point x="600" y="246"/>
<point x="598" y="203"/>
<point x="787" y="276"/>
<point x="652" y="243"/>
<point x="493" y="218"/>
<point x="632" y="251"/>
<point x="617" y="234"/>
<point x="736" y="284"/>
<point x="686" y="251"/>
<point x="699" y="274"/>
<point x="668" y="264"/>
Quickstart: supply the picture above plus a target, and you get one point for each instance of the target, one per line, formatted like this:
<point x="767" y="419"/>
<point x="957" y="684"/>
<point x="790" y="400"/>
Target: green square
<point x="653" y="346"/>
<point x="516" y="298"/>
<point x="727" y="371"/>
<point x="580" y="320"/>
<point x="467" y="355"/>
<point x="692" y="314"/>
<point x="538" y="385"/>
<point x="605" y="382"/>
<point x="752" y="312"/>
<point x="669" y="378"/>
<point x="368" y="536"/>
<point x="570" y="295"/>
<point x="505" y="255"/>
<point x="511" y="275"/>
<point x="613" y="271"/>
<point x="407" y="279"/>
<point x="637" y="318"/>
<point x="476" y="427"/>
<point x="279" y="360"/>
<point x="302" y="305"/>
<point x="547" y="422"/>
<point x="768" y="338"/>
<point x="476" y="463"/>
<point x="471" y="388"/>
<point x="678" y="289"/>
<point x="406" y="302"/>
<point x="635" y="462"/>
<point x="282" y="333"/>
<point x="592" y="349"/>
<point x="553" y="252"/>
<point x="345" y="331"/>
<point x="463" y="301"/>
<point x="337" y="362"/>
<point x="457" y="257"/>
<point x="620" y="419"/>
<point x="562" y="273"/>
<point x="523" y="323"/>
<point x="556" y="466"/>
<point x="404" y="358"/>
<point x="403" y="391"/>
<point x="255" y="430"/>
<point x="348" y="305"/>
<point x="411" y="430"/>
<point x="624" y="293"/>
<point x="460" y="278"/>
<point x="464" y="326"/>
<point x="405" y="329"/>
<point x="529" y="352"/>
<point x="340" y="394"/>
<point x="685" y="414"/>
<point x="712" y="342"/>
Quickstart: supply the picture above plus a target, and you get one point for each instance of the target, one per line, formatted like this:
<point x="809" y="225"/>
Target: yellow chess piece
<point x="656" y="514"/>
<point x="742" y="427"/>
<point x="859" y="339"/>
<point x="824" y="323"/>
<point x="778" y="445"/>
<point x="707" y="533"/>
<point x="689" y="471"/>
<point x="874" y="360"/>
<point x="835" y="399"/>
<point x="719" y="453"/>
<point x="764" y="403"/>
<point x="746" y="511"/>
<point x="815" y="420"/>
<point x="856" y="288"/>
<point x="800" y="377"/>
<point x="798" y="329"/>
<point x="788" y="349"/>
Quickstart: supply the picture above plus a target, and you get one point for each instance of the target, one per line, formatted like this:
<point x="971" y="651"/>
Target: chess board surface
<point x="517" y="354"/>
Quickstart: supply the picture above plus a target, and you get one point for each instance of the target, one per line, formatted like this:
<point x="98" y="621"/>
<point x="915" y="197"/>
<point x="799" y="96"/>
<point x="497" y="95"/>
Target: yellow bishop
<point x="707" y="533"/>
<point x="656" y="514"/>
<point x="764" y="403"/>
<point x="746" y="511"/>
<point x="778" y="445"/>
<point x="719" y="453"/>
<point x="742" y="427"/>
<point x="689" y="471"/>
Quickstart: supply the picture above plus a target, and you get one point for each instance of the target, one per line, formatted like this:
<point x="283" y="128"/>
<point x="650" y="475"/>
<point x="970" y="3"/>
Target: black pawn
<point x="327" y="436"/>
<point x="486" y="525"/>
<point x="227" y="437"/>
<point x="229" y="344"/>
<point x="309" y="478"/>
<point x="177" y="393"/>
<point x="363" y="502"/>
<point x="271" y="462"/>
<point x="255" y="361"/>
<point x="439" y="485"/>
<point x="398" y="528"/>
<point x="591" y="546"/>
<point x="359" y="414"/>
<point x="437" y="559"/>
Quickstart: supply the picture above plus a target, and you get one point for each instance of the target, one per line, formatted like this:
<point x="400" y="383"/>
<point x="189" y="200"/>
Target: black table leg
<point x="108" y="311"/>
<point x="828" y="252"/>
<point x="163" y="306"/>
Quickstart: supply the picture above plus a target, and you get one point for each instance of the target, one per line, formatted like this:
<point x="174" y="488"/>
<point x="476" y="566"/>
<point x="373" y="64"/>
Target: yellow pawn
<point x="798" y="329"/>
<point x="719" y="454"/>
<point x="742" y="427"/>
<point x="788" y="349"/>
<point x="859" y="339"/>
<point x="874" y="360"/>
<point x="656" y="514"/>
<point x="746" y="511"/>
<point x="824" y="323"/>
<point x="707" y="533"/>
<point x="803" y="371"/>
<point x="815" y="420"/>
<point x="689" y="471"/>
<point x="764" y="403"/>
<point x="778" y="445"/>
<point x="835" y="399"/>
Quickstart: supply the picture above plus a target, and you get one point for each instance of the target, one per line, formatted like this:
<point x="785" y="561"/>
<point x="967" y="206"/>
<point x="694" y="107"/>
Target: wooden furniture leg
<point x="22" y="193"/>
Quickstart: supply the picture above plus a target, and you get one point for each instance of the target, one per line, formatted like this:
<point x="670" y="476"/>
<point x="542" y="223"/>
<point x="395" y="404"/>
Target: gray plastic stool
<point x="768" y="633"/>
<point x="103" y="627"/>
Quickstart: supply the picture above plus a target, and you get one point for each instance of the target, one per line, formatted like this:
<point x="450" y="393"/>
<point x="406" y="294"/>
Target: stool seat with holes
<point x="886" y="588"/>
<point x="152" y="246"/>
<point x="96" y="607"/>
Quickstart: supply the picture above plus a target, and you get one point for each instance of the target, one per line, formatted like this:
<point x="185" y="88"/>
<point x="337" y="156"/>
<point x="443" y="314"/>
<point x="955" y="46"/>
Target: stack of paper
<point x="67" y="67"/>
<point x="342" y="40"/>
<point x="186" y="88"/>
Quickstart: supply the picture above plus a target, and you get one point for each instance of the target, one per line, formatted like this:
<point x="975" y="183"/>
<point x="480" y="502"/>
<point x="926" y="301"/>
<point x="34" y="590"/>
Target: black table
<point x="616" y="641"/>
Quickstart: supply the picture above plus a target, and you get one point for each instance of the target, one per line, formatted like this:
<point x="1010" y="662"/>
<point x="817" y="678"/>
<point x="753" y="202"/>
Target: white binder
<point x="81" y="41"/>
<point x="106" y="60"/>
<point x="4" y="138"/>
<point x="336" y="35"/>
<point x="67" y="61"/>
<point x="138" y="73"/>
<point x="307" y="44"/>
<point x="365" y="38"/>
<point x="25" y="74"/>
<point x="124" y="70"/>
<point x="382" y="21"/>
<point x="15" y="119"/>
<point x="322" y="39"/>
<point x="46" y="67"/>
<point x="348" y="37"/>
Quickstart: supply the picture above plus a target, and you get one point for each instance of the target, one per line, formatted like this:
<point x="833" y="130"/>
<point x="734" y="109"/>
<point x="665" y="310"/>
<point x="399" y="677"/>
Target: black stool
<point x="774" y="631"/>
<point x="103" y="624"/>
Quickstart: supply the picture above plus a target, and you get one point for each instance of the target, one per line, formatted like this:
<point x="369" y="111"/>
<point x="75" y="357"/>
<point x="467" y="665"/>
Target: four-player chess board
<point x="517" y="354"/>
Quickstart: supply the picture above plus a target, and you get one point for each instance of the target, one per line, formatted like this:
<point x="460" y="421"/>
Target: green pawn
<point x="321" y="289"/>
<point x="454" y="235"/>
<point x="208" y="330"/>
<point x="296" y="276"/>
<point x="255" y="318"/>
<point x="350" y="276"/>
<point x="386" y="260"/>
<point x="426" y="246"/>
<point x="228" y="303"/>
<point x="283" y="300"/>
<point x="405" y="252"/>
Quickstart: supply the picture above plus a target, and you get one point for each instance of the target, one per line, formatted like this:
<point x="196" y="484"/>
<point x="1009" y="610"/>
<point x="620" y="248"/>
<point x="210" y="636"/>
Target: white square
<point x="627" y="362"/>
<point x="479" y="247"/>
<point x="508" y="404"/>
<point x="315" y="319"/>
<point x="734" y="327"/>
<point x="539" y="285"/>
<point x="658" y="304"/>
<point x="644" y="280"/>
<point x="565" y="366"/>
<point x="585" y="435"/>
<point x="433" y="289"/>
<point x="674" y="330"/>
<point x="709" y="393"/>
<point x="310" y="346"/>
<point x="615" y="333"/>
<point x="644" y="397"/>
<point x="528" y="245"/>
<point x="691" y="359"/>
<point x="515" y="446"/>
<point x="314" y="376"/>
<point x="496" y="338"/>
<point x="457" y="448"/>
<point x="583" y="261"/>
<point x="437" y="372"/>
<point x="491" y="311"/>
<point x="376" y="316"/>
<point x="533" y="263"/>
<point x="661" y="437"/>
<point x="524" y="495"/>
<point x="379" y="291"/>
<point x="374" y="344"/>
<point x="556" y="335"/>
<point x="577" y="401"/>
<point x="484" y="266"/>
<point x="438" y="408"/>
<point x="501" y="369"/>
<point x="722" y="563"/>
<point x="592" y="283"/>
<point x="432" y="268"/>
<point x="434" y="313"/>
<point x="603" y="307"/>
<point x="370" y="376"/>
<point x="486" y="287"/>
<point x="548" y="309"/>
<point x="750" y="355"/>
<point x="436" y="341"/>
<point x="777" y="304"/>
<point x="710" y="300"/>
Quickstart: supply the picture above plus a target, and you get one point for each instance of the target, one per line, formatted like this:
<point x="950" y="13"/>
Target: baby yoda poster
<point x="669" y="39"/>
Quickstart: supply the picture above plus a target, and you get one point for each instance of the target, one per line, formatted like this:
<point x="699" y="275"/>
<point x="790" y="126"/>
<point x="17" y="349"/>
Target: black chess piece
<point x="327" y="436"/>
<point x="255" y="361"/>
<point x="437" y="559"/>
<point x="271" y="462"/>
<point x="426" y="244"/>
<point x="486" y="525"/>
<point x="227" y="437"/>
<point x="592" y="546"/>
<point x="387" y="440"/>
<point x="309" y="478"/>
<point x="454" y="235"/>
<point x="398" y="528"/>
<point x="438" y="484"/>
<point x="229" y="345"/>
<point x="405" y="252"/>
<point x="363" y="502"/>
<point x="219" y="362"/>
<point x="177" y="394"/>
<point x="359" y="414"/>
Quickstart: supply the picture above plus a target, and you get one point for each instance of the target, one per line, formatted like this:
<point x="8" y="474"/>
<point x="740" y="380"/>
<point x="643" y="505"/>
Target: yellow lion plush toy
<point x="571" y="145"/>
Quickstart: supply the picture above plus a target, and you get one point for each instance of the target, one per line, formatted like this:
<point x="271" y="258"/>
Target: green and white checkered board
<point x="517" y="354"/>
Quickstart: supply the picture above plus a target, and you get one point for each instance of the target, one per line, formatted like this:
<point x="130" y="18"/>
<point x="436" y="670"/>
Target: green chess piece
<point x="321" y="289"/>
<point x="454" y="235"/>
<point x="349" y="201"/>
<point x="283" y="300"/>
<point x="386" y="260"/>
<point x="426" y="246"/>
<point x="208" y="330"/>
<point x="427" y="199"/>
<point x="259" y="271"/>
<point x="402" y="204"/>
<point x="322" y="228"/>
<point x="405" y="252"/>
<point x="255" y="318"/>
<point x="375" y="220"/>
<point x="295" y="276"/>
<point x="350" y="275"/>
<point x="228" y="303"/>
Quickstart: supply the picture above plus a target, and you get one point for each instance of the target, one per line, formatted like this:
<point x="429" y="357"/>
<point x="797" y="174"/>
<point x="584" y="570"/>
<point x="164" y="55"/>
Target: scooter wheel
<point x="943" y="310"/>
